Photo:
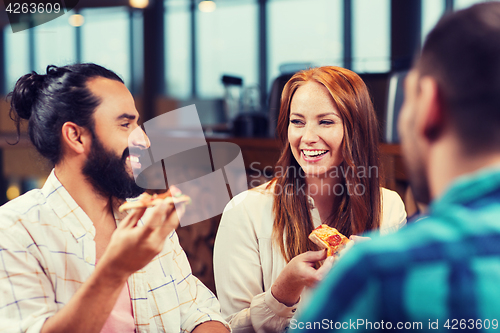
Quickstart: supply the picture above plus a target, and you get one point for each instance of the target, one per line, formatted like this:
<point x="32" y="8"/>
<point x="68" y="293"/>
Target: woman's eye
<point x="327" y="122"/>
<point x="296" y="122"/>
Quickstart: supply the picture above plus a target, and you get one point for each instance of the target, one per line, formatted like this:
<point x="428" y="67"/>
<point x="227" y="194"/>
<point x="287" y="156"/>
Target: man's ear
<point x="432" y="109"/>
<point x="75" y="138"/>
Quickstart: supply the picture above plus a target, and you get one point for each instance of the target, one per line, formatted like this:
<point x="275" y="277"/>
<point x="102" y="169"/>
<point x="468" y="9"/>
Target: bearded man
<point x="69" y="261"/>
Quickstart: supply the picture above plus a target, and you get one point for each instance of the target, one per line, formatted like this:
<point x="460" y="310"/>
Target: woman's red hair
<point x="354" y="214"/>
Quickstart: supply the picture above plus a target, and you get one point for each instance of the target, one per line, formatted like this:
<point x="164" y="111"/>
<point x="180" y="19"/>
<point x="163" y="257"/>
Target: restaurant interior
<point x="231" y="59"/>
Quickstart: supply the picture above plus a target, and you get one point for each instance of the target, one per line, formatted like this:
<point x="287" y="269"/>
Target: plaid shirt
<point x="47" y="251"/>
<point x="439" y="274"/>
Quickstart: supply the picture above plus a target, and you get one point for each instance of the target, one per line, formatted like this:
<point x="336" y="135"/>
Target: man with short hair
<point x="69" y="260"/>
<point x="442" y="272"/>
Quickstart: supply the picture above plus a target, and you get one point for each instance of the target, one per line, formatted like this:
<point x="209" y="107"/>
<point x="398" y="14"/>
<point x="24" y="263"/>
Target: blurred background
<point x="229" y="57"/>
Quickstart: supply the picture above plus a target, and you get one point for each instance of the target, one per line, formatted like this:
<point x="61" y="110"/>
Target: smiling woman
<point x="264" y="262"/>
<point x="316" y="130"/>
<point x="338" y="116"/>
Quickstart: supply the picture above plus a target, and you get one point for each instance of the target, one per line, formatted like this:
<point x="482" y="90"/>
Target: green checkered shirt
<point x="439" y="274"/>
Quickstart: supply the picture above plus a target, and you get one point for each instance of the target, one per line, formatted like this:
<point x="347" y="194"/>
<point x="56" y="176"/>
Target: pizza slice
<point x="328" y="238"/>
<point x="147" y="200"/>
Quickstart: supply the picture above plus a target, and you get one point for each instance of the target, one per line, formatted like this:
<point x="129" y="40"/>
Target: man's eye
<point x="126" y="125"/>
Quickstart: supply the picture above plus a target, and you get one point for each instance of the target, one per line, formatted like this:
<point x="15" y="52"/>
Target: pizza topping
<point x="334" y="240"/>
<point x="329" y="238"/>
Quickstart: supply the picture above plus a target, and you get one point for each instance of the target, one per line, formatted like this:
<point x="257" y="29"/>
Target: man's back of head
<point x="463" y="54"/>
<point x="451" y="115"/>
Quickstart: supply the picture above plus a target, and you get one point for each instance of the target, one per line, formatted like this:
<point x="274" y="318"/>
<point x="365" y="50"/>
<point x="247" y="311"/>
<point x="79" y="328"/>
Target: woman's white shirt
<point x="247" y="262"/>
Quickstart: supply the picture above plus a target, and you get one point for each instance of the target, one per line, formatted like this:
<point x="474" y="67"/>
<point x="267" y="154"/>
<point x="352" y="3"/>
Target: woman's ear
<point x="76" y="138"/>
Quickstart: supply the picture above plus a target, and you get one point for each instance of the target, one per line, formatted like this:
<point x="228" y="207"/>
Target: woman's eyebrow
<point x="327" y="114"/>
<point x="296" y="114"/>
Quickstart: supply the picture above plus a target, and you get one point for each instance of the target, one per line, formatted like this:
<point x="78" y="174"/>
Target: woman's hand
<point x="297" y="274"/>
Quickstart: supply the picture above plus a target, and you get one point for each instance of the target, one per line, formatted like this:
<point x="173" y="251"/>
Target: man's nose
<point x="138" y="138"/>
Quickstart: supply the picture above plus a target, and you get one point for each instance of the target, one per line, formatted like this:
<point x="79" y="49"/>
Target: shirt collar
<point x="470" y="187"/>
<point x="66" y="208"/>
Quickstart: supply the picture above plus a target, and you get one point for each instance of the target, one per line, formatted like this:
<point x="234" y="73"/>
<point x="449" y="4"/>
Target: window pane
<point x="226" y="44"/>
<point x="178" y="49"/>
<point x="432" y="10"/>
<point x="304" y="31"/>
<point x="371" y="35"/>
<point x="16" y="56"/>
<point x="54" y="44"/>
<point x="137" y="56"/>
<point x="106" y="39"/>
<point x="461" y="4"/>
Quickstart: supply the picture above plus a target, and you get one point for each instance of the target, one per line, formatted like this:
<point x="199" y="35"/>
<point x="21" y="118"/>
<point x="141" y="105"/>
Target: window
<point x="371" y="36"/>
<point x="54" y="44"/>
<point x="16" y="56"/>
<point x="304" y="31"/>
<point x="106" y="41"/>
<point x="137" y="56"/>
<point x="178" y="48"/>
<point x="432" y="10"/>
<point x="462" y="4"/>
<point x="226" y="42"/>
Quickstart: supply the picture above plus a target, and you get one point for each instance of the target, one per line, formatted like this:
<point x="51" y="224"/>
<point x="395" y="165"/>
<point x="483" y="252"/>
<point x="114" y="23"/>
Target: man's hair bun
<point x="50" y="100"/>
<point x="25" y="94"/>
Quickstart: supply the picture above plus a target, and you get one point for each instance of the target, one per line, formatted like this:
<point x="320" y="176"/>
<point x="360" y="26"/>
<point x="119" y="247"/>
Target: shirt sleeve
<point x="239" y="276"/>
<point x="26" y="295"/>
<point x="393" y="212"/>
<point x="197" y="304"/>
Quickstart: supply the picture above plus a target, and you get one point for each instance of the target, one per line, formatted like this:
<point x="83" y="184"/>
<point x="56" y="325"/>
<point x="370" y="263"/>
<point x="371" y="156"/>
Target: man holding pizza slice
<point x="70" y="260"/>
<point x="441" y="273"/>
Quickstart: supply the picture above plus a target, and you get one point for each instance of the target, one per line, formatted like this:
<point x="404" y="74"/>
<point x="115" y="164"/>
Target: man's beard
<point x="108" y="174"/>
<point x="419" y="184"/>
<point x="417" y="175"/>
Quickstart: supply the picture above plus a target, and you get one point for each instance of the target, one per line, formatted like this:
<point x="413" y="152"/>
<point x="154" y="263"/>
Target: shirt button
<point x="89" y="260"/>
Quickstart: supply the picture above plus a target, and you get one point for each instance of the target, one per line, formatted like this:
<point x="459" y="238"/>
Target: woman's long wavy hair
<point x="354" y="214"/>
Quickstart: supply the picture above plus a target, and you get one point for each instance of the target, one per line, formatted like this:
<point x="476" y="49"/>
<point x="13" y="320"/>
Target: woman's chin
<point x="316" y="171"/>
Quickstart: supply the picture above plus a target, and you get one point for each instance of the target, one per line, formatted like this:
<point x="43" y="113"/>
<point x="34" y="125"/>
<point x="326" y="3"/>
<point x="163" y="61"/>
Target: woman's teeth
<point x="312" y="153"/>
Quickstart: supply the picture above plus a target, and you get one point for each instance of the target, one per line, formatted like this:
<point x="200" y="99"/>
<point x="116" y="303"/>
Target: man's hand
<point x="132" y="247"/>
<point x="299" y="273"/>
